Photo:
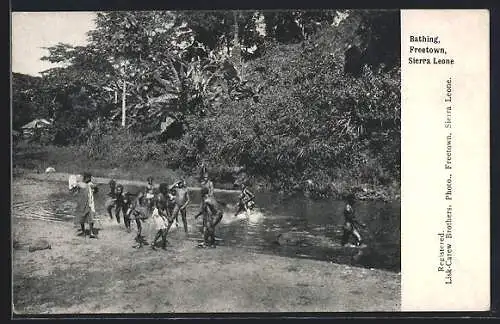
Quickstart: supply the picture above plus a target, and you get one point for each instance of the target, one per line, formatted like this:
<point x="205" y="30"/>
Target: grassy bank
<point x="76" y="159"/>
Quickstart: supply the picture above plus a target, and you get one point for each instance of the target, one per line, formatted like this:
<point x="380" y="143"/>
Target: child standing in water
<point x="127" y="204"/>
<point x="350" y="222"/>
<point x="160" y="222"/>
<point x="181" y="202"/>
<point x="111" y="200"/>
<point x="170" y="203"/>
<point x="119" y="203"/>
<point x="167" y="197"/>
<point x="86" y="204"/>
<point x="138" y="212"/>
<point x="246" y="200"/>
<point x="207" y="183"/>
<point x="212" y="215"/>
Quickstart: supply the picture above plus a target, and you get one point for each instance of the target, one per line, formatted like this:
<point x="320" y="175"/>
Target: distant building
<point x="35" y="127"/>
<point x="16" y="135"/>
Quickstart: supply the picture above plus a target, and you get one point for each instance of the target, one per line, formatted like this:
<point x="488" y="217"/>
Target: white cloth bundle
<point x="74" y="180"/>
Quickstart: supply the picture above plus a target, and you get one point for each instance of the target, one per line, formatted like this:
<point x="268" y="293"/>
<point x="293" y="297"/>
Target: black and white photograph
<point x="222" y="161"/>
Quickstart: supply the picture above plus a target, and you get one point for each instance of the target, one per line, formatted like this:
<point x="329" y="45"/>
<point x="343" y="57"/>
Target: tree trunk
<point x="236" y="53"/>
<point x="124" y="98"/>
<point x="236" y="40"/>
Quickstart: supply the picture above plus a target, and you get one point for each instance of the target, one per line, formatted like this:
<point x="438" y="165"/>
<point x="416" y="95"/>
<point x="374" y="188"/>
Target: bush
<point x="121" y="147"/>
<point x="312" y="122"/>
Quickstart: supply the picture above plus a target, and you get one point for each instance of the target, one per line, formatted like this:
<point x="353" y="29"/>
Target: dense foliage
<point x="290" y="96"/>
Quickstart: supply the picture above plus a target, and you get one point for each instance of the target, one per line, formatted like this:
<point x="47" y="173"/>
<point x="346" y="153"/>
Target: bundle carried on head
<point x="74" y="180"/>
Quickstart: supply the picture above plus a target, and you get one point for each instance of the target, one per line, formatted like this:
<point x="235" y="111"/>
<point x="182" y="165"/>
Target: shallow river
<point x="308" y="228"/>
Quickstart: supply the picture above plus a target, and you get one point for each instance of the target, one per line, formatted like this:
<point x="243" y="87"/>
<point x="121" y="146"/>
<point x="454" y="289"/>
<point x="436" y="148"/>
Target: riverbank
<point x="106" y="275"/>
<point x="34" y="158"/>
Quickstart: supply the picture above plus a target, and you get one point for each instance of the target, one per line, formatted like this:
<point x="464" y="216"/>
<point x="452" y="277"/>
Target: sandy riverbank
<point x="107" y="275"/>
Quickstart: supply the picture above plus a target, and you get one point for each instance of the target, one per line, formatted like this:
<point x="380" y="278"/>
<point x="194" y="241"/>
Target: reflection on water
<point x="309" y="229"/>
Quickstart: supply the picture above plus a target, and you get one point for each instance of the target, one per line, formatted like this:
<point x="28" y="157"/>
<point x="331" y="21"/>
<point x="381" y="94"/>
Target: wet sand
<point x="107" y="275"/>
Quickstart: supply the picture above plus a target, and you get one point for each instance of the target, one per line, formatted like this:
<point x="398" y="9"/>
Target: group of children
<point x="164" y="206"/>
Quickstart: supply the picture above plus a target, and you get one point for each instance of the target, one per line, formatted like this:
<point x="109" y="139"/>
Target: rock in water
<point x="290" y="238"/>
<point x="39" y="245"/>
<point x="16" y="245"/>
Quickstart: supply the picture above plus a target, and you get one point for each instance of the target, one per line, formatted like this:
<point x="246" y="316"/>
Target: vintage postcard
<point x="250" y="161"/>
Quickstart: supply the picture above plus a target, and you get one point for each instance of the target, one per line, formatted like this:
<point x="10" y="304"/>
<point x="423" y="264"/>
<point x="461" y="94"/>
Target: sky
<point x="31" y="31"/>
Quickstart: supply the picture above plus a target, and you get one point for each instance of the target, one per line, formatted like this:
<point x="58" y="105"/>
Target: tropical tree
<point x="131" y="53"/>
<point x="290" y="95"/>
<point x="312" y="120"/>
